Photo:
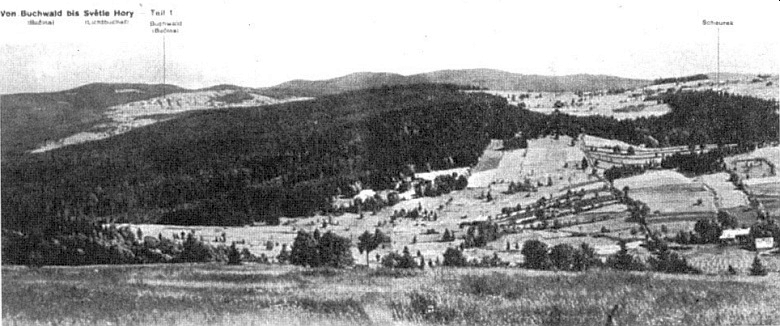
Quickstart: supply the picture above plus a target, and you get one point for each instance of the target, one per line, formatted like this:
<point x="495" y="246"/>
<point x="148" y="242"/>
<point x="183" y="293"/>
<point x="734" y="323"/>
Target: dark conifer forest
<point x="236" y="166"/>
<point x="242" y="165"/>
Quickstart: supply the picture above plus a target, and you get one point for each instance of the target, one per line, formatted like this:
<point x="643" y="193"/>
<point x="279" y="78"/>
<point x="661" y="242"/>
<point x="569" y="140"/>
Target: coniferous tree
<point x="757" y="268"/>
<point x="305" y="251"/>
<point x="584" y="257"/>
<point x="624" y="261"/>
<point x="234" y="257"/>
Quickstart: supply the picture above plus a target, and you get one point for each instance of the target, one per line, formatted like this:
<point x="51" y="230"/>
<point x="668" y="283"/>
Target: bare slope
<point x="29" y="119"/>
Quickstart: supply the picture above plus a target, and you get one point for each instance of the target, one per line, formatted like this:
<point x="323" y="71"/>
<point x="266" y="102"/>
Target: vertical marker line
<point x="717" y="75"/>
<point x="164" y="92"/>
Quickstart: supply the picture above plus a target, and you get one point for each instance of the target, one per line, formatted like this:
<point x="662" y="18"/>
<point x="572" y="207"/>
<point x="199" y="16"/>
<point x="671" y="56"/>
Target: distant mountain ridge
<point x="31" y="119"/>
<point x="487" y="78"/>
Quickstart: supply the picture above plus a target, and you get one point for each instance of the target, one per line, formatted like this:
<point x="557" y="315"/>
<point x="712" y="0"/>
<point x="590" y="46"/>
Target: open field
<point x="714" y="259"/>
<point x="128" y="116"/>
<point x="283" y="295"/>
<point x="770" y="153"/>
<point x="490" y="157"/>
<point x="726" y="194"/>
<point x="592" y="104"/>
<point x="672" y="198"/>
<point x="669" y="192"/>
<point x="634" y="103"/>
<point x="740" y="84"/>
<point x="543" y="158"/>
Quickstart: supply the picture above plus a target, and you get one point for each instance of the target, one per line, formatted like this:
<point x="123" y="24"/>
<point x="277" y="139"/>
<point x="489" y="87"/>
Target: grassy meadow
<point x="205" y="294"/>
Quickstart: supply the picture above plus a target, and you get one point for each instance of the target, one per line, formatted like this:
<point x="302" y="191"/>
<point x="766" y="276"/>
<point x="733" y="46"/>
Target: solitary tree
<point x="368" y="242"/>
<point x="406" y="260"/>
<point x="234" y="257"/>
<point x="727" y="220"/>
<point x="757" y="269"/>
<point x="447" y="236"/>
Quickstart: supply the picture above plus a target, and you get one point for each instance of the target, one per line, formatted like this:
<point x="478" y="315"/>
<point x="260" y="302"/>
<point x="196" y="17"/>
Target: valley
<point x="459" y="190"/>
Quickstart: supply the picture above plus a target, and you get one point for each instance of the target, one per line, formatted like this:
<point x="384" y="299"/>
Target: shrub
<point x="709" y="231"/>
<point x="732" y="270"/>
<point x="447" y="236"/>
<point x="335" y="251"/>
<point x="391" y="260"/>
<point x="329" y="250"/>
<point x="430" y="308"/>
<point x="727" y="220"/>
<point x="284" y="255"/>
<point x="454" y="257"/>
<point x="562" y="256"/>
<point x="667" y="261"/>
<point x="494" y="284"/>
<point x="535" y="253"/>
<point x="624" y="261"/>
<point x="492" y="261"/>
<point x="195" y="250"/>
<point x="393" y="272"/>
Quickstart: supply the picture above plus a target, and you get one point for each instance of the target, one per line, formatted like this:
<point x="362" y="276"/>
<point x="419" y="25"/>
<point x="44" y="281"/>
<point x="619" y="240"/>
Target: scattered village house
<point x="765" y="243"/>
<point x="735" y="236"/>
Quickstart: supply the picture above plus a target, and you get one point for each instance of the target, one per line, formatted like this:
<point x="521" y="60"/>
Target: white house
<point x="734" y="235"/>
<point x="765" y="243"/>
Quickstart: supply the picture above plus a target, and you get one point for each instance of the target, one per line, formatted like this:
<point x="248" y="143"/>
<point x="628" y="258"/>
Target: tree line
<point x="680" y="79"/>
<point x="243" y="165"/>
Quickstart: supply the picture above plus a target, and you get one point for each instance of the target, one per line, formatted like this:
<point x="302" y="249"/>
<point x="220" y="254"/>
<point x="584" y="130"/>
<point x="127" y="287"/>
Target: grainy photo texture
<point x="400" y="163"/>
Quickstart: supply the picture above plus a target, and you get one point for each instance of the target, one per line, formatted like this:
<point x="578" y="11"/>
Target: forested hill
<point x="236" y="166"/>
<point x="695" y="118"/>
<point x="244" y="164"/>
<point x="29" y="119"/>
<point x="480" y="78"/>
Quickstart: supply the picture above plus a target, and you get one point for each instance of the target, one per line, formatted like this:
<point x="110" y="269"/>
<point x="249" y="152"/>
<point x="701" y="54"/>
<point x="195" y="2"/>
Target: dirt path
<point x="716" y="199"/>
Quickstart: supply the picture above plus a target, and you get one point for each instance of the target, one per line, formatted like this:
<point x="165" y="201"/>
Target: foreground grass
<point x="282" y="295"/>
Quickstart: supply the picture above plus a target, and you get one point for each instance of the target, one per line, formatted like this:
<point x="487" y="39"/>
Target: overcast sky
<point x="263" y="44"/>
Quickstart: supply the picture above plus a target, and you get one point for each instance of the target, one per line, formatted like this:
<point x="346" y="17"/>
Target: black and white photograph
<point x="407" y="163"/>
